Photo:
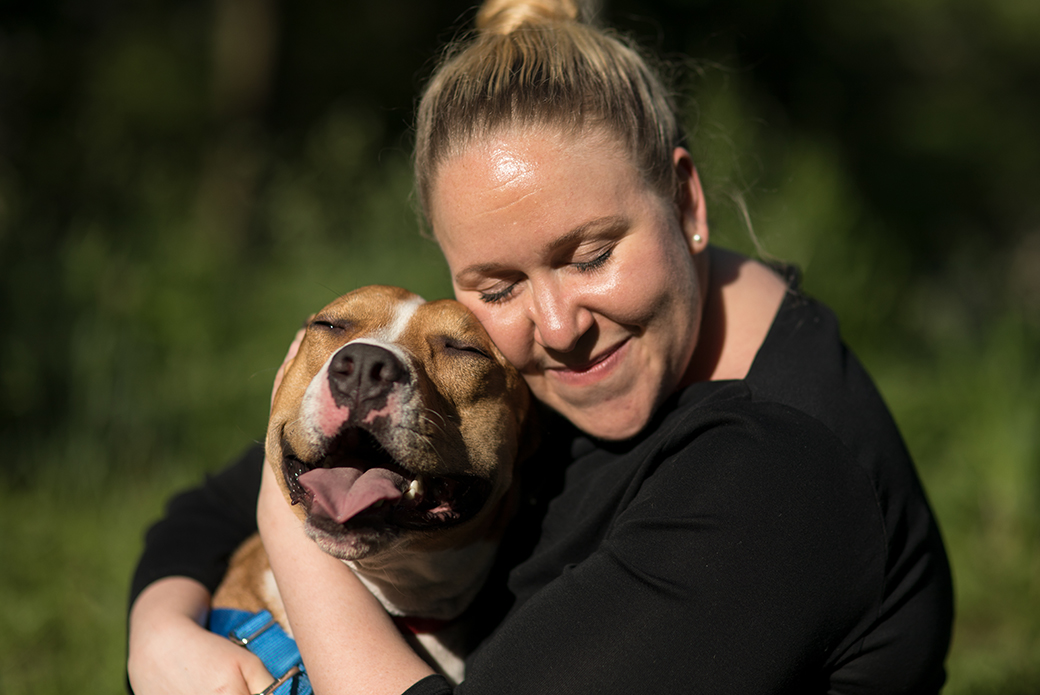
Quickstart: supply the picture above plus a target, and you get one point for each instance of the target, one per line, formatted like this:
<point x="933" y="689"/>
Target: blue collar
<point x="261" y="634"/>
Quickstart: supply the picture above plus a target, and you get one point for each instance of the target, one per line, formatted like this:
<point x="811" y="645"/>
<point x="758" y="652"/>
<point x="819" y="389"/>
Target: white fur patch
<point x="451" y="664"/>
<point x="389" y="336"/>
<point x="404" y="311"/>
<point x="314" y="399"/>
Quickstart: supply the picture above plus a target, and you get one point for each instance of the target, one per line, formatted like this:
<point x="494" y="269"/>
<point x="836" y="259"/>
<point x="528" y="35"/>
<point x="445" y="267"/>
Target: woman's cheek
<point x="513" y="341"/>
<point x="506" y="327"/>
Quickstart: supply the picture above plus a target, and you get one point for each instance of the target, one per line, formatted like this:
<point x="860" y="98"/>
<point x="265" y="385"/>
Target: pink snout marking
<point x="330" y="417"/>
<point x="391" y="408"/>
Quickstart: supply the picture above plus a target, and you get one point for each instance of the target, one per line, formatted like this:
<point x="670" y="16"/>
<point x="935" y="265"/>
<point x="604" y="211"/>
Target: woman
<point x="723" y="503"/>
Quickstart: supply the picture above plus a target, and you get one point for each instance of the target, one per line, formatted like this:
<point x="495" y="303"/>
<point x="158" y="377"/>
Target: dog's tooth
<point x="415" y="489"/>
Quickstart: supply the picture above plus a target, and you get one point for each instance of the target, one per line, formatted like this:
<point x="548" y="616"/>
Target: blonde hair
<point x="536" y="63"/>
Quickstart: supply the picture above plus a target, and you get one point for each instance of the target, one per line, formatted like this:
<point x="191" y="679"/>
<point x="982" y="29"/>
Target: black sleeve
<point x="203" y="526"/>
<point x="431" y="685"/>
<point x="751" y="562"/>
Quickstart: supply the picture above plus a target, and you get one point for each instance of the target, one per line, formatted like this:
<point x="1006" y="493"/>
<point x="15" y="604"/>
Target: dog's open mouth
<point x="358" y="485"/>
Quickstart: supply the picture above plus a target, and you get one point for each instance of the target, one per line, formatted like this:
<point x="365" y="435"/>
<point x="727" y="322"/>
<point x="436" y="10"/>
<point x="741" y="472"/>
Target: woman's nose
<point x="559" y="320"/>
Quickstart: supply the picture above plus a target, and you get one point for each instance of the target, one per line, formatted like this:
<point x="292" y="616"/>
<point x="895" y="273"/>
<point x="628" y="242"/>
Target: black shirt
<point x="763" y="535"/>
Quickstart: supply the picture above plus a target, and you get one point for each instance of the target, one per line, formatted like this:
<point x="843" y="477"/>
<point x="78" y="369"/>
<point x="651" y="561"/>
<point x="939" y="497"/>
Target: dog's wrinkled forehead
<point x="380" y="312"/>
<point x="385" y="316"/>
<point x="448" y="319"/>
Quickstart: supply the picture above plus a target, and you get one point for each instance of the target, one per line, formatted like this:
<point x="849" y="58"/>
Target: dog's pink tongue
<point x="340" y="493"/>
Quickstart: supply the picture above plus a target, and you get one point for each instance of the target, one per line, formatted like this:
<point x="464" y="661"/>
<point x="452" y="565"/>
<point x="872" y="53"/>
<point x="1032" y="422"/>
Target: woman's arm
<point x="346" y="638"/>
<point x="751" y="559"/>
<point x="739" y="566"/>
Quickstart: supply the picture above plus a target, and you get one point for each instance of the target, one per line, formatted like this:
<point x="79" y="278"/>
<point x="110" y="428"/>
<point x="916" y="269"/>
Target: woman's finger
<point x="294" y="347"/>
<point x="255" y="675"/>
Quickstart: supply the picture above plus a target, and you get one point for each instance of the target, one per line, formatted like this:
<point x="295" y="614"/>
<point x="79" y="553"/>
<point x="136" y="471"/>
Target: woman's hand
<point x="294" y="348"/>
<point x="171" y="653"/>
<point x="346" y="638"/>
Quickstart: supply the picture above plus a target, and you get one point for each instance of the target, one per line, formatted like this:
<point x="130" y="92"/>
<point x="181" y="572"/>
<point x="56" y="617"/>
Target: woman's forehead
<point x="524" y="182"/>
<point x="509" y="156"/>
<point x="504" y="146"/>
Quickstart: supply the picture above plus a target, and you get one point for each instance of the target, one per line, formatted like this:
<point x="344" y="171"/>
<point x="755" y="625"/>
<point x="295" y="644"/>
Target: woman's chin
<point x="612" y="420"/>
<point x="614" y="409"/>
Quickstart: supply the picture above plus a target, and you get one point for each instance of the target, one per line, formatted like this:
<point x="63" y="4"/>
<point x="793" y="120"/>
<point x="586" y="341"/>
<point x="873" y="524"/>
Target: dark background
<point x="182" y="182"/>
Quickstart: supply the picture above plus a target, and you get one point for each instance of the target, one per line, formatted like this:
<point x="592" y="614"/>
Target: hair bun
<point x="506" y="16"/>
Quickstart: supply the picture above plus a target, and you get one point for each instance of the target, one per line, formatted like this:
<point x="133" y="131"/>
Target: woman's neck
<point x="741" y="300"/>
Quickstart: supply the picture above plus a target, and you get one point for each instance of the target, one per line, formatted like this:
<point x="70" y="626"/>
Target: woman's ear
<point x="693" y="213"/>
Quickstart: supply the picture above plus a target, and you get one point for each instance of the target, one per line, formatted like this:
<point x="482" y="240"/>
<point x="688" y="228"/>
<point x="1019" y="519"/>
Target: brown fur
<point x="461" y="413"/>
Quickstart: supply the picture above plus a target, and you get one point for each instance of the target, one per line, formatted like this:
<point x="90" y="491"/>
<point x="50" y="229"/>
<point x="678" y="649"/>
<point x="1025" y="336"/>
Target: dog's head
<point x="396" y="426"/>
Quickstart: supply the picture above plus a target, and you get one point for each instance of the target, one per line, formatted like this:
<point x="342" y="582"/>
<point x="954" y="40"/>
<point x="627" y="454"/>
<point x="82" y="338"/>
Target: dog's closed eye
<point x="459" y="346"/>
<point x="328" y="324"/>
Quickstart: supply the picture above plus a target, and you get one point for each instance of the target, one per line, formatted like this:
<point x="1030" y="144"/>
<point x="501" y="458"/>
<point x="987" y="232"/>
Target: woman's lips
<point x="594" y="369"/>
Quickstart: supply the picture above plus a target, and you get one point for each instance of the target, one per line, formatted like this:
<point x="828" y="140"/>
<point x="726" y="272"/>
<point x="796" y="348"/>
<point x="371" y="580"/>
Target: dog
<point x="395" y="435"/>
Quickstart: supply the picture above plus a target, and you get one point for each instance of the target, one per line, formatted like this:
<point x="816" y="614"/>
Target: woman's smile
<point x="596" y="369"/>
<point x="541" y="231"/>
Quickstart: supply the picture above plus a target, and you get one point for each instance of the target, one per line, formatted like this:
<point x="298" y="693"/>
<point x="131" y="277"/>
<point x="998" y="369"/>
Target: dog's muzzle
<point x="357" y="483"/>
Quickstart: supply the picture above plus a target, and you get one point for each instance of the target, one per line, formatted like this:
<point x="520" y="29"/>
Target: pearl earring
<point x="697" y="238"/>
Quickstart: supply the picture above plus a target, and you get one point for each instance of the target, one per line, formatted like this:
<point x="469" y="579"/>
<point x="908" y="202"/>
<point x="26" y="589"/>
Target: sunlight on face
<point x="506" y="166"/>
<point x="582" y="275"/>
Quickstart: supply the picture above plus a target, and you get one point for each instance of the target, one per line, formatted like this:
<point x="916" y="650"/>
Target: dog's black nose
<point x="362" y="375"/>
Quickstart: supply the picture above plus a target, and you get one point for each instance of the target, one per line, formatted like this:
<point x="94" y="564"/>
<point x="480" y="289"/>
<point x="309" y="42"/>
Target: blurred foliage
<point x="182" y="183"/>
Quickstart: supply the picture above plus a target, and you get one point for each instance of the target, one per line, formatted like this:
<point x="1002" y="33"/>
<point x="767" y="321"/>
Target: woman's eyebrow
<point x="561" y="242"/>
<point x="479" y="269"/>
<point x="578" y="233"/>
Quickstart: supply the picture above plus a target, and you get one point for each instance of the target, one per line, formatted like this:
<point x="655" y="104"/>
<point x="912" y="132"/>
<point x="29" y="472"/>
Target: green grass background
<point x="161" y="239"/>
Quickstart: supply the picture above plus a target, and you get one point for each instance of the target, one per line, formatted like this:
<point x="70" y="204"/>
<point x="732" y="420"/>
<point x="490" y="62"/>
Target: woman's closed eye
<point x="503" y="292"/>
<point x="497" y="295"/>
<point x="597" y="262"/>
